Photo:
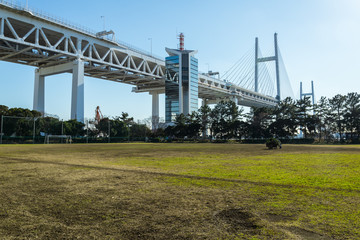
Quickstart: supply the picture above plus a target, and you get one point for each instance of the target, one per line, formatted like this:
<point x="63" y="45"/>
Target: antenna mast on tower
<point x="181" y="37"/>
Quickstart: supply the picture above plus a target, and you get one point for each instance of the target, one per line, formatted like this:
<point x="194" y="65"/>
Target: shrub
<point x="272" y="143"/>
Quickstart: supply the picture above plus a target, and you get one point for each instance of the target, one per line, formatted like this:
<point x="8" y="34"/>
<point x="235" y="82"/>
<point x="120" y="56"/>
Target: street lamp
<point x="150" y="45"/>
<point x="103" y="18"/>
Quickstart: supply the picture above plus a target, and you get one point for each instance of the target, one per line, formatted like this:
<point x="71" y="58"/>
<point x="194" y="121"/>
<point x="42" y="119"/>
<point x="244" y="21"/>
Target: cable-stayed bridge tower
<point x="311" y="94"/>
<point x="267" y="59"/>
<point x="265" y="75"/>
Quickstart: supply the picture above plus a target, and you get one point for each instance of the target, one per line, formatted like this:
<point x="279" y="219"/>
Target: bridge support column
<point x="39" y="92"/>
<point x="234" y="99"/>
<point x="77" y="96"/>
<point x="204" y="102"/>
<point x="155" y="110"/>
<point x="205" y="130"/>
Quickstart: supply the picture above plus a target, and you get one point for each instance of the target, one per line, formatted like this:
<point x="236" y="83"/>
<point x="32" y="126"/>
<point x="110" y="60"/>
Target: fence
<point x="31" y="130"/>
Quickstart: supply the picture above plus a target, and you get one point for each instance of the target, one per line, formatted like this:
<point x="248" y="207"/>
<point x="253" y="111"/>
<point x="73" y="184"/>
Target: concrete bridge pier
<point x="205" y="131"/>
<point x="39" y="92"/>
<point x="155" y="110"/>
<point x="77" y="97"/>
<point x="235" y="100"/>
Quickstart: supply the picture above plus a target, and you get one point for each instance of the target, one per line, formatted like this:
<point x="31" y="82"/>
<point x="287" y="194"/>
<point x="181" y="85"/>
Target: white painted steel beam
<point x="57" y="69"/>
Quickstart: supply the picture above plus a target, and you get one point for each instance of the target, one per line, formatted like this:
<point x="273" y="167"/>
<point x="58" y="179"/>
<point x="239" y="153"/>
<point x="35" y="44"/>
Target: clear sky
<point x="319" y="40"/>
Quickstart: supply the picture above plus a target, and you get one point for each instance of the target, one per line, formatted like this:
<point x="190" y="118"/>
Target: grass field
<point x="179" y="191"/>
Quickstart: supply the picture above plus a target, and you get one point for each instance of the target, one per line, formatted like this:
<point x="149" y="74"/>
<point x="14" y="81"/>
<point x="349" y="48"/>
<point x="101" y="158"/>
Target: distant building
<point x="181" y="87"/>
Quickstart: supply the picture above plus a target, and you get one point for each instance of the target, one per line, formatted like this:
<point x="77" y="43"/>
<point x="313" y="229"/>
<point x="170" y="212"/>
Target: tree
<point x="193" y="125"/>
<point x="304" y="119"/>
<point x="352" y="113"/>
<point x="22" y="123"/>
<point x="260" y="120"/>
<point x="225" y="118"/>
<point x="3" y="110"/>
<point x="284" y="124"/>
<point x="138" y="131"/>
<point x="337" y="104"/>
<point x="324" y="118"/>
<point x="204" y="114"/>
<point x="180" y="129"/>
<point x="49" y="125"/>
<point x="73" y="128"/>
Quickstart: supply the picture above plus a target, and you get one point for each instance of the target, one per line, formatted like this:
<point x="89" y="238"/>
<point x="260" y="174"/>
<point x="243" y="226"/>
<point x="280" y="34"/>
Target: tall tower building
<point x="181" y="87"/>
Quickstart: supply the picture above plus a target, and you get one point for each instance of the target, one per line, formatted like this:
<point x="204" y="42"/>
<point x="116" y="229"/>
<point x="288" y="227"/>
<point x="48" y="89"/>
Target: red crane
<point x="98" y="115"/>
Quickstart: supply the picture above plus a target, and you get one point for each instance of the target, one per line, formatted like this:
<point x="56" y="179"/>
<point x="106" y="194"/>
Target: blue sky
<point x="319" y="40"/>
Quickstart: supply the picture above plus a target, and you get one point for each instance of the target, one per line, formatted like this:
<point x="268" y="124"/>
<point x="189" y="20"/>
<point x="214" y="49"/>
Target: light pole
<point x="34" y="119"/>
<point x="103" y="17"/>
<point x="87" y="131"/>
<point x="108" y="130"/>
<point x="208" y="67"/>
<point x="62" y="131"/>
<point x="150" y="45"/>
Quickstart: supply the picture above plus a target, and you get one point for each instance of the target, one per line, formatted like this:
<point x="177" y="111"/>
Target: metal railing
<point x="77" y="27"/>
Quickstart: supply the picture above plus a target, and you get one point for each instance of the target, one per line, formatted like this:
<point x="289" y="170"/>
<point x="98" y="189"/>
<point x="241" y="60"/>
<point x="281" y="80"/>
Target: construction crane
<point x="98" y="115"/>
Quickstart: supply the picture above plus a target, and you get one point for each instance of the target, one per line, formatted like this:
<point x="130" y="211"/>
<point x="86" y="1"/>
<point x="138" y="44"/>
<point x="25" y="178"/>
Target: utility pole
<point x="62" y="130"/>
<point x="87" y="131"/>
<point x="34" y="131"/>
<point x="108" y="130"/>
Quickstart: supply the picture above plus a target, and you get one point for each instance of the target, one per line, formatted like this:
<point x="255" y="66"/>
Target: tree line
<point x="330" y="119"/>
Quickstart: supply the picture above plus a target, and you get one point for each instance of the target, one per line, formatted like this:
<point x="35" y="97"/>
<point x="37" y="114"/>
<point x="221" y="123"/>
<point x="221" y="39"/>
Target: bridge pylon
<point x="311" y="94"/>
<point x="268" y="59"/>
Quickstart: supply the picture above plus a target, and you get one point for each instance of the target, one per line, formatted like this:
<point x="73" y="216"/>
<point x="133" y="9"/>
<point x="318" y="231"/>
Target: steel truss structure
<point x="31" y="40"/>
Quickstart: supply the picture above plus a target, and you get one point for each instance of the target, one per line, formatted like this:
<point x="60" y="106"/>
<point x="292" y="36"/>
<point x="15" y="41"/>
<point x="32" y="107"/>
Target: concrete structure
<point x="54" y="47"/>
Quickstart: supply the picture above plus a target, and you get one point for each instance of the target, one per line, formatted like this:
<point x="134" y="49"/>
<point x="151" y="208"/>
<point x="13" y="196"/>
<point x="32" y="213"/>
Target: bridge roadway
<point x="54" y="46"/>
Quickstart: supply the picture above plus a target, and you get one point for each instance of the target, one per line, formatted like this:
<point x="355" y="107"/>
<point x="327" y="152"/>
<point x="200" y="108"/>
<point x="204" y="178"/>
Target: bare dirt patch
<point x="306" y="234"/>
<point x="239" y="220"/>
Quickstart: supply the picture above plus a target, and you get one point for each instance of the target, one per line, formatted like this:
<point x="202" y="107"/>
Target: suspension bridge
<point x="53" y="46"/>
